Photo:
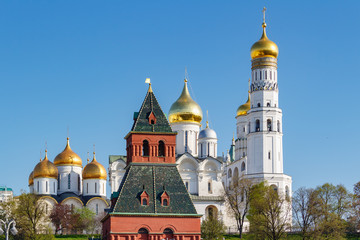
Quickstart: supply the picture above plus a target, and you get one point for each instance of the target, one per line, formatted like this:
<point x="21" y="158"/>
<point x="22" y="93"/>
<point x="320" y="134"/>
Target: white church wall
<point x="75" y="179"/>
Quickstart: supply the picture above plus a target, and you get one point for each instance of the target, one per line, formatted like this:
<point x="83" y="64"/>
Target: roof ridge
<point x="117" y="201"/>
<point x="162" y="110"/>
<point x="141" y="108"/>
<point x="155" y="210"/>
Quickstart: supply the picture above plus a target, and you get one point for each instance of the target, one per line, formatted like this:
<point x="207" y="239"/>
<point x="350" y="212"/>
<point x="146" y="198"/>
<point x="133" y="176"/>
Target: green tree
<point x="86" y="220"/>
<point x="212" y="229"/>
<point x="269" y="214"/>
<point x="334" y="204"/>
<point x="30" y="216"/>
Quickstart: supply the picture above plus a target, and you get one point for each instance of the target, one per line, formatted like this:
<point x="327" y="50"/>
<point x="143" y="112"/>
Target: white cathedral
<point x="256" y="153"/>
<point x="65" y="181"/>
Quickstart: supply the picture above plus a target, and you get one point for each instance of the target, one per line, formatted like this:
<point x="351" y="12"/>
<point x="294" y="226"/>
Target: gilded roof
<point x="94" y="170"/>
<point x="185" y="109"/>
<point x="45" y="169"/>
<point x="68" y="157"/>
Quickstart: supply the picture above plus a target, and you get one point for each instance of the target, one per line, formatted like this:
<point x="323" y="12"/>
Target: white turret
<point x="207" y="142"/>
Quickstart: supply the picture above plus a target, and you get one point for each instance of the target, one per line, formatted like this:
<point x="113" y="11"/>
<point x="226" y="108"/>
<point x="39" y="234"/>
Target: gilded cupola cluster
<point x="45" y="169"/>
<point x="68" y="157"/>
<point x="94" y="170"/>
<point x="185" y="109"/>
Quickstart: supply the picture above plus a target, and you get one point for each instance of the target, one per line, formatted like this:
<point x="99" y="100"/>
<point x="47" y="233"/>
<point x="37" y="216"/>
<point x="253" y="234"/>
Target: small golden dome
<point x="243" y="109"/>
<point x="45" y="169"/>
<point x="94" y="170"/>
<point x="31" y="178"/>
<point x="68" y="157"/>
<point x="264" y="47"/>
<point x="185" y="109"/>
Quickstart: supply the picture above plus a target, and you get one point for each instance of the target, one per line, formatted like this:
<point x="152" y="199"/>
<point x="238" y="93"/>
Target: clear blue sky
<point x="82" y="65"/>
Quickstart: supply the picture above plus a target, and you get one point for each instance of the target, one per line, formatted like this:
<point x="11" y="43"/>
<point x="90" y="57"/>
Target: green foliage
<point x="269" y="213"/>
<point x="86" y="219"/>
<point x="212" y="229"/>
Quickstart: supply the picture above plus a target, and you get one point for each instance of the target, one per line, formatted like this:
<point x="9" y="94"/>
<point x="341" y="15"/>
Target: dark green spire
<point x="150" y="108"/>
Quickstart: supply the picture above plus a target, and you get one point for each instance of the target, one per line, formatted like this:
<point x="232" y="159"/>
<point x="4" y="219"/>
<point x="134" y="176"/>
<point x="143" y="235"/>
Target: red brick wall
<point x="134" y="145"/>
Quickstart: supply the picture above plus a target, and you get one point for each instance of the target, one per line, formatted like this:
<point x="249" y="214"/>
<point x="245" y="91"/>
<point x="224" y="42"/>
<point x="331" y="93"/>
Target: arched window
<point x="53" y="186"/>
<point x="229" y="173"/>
<point x="265" y="74"/>
<point x="260" y="75"/>
<point x="144" y="202"/>
<point x="69" y="181"/>
<point x="208" y="150"/>
<point x="258" y="105"/>
<point x="249" y="127"/>
<point x="270" y="75"/>
<point x="278" y="126"/>
<point x="143" y="231"/>
<point x="255" y="75"/>
<point x="47" y="186"/>
<point x="287" y="194"/>
<point x="209" y="187"/>
<point x="269" y="155"/>
<point x="257" y="127"/>
<point x="38" y="186"/>
<point x="87" y="187"/>
<point x="211" y="212"/>
<point x="243" y="154"/>
<point x="268" y="104"/>
<point x="243" y="166"/>
<point x="269" y="125"/>
<point x="79" y="183"/>
<point x="168" y="231"/>
<point x="274" y="187"/>
<point x="186" y="141"/>
<point x="145" y="148"/>
<point x="161" y="149"/>
<point x="187" y="185"/>
<point x="236" y="175"/>
<point x="165" y="202"/>
<point x="95" y="187"/>
<point x="97" y="209"/>
<point x="59" y="181"/>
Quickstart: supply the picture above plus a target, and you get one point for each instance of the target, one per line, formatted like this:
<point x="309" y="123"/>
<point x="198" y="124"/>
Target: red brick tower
<point x="152" y="202"/>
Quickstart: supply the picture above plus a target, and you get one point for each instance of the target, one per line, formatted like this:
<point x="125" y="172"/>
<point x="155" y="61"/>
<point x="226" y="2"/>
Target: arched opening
<point x="268" y="104"/>
<point x="258" y="105"/>
<point x="229" y="173"/>
<point x="165" y="202"/>
<point x="236" y="175"/>
<point x="211" y="212"/>
<point x="168" y="233"/>
<point x="269" y="125"/>
<point x="243" y="166"/>
<point x="143" y="234"/>
<point x="278" y="126"/>
<point x="161" y="149"/>
<point x="144" y="202"/>
<point x="69" y="179"/>
<point x="274" y="187"/>
<point x="287" y="193"/>
<point x="145" y="148"/>
<point x="257" y="125"/>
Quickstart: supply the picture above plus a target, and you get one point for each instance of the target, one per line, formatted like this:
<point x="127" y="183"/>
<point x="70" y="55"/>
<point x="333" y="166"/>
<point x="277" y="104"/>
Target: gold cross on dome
<point x="264" y="10"/>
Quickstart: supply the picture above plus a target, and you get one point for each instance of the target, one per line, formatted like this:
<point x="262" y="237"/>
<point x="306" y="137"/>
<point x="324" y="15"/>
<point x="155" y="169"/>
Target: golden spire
<point x="88" y="157"/>
<point x="45" y="158"/>
<point x="147" y="80"/>
<point x="264" y="47"/>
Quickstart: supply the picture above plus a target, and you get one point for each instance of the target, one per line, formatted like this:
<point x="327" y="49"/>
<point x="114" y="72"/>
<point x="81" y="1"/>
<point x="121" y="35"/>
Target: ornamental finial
<point x="264" y="10"/>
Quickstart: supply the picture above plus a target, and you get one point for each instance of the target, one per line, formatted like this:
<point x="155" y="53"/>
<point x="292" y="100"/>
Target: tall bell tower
<point x="259" y="145"/>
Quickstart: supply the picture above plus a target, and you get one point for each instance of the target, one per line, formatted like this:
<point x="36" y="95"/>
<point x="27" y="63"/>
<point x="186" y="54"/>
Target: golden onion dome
<point x="45" y="169"/>
<point x="68" y="157"/>
<point x="264" y="47"/>
<point x="31" y="178"/>
<point x="185" y="109"/>
<point x="243" y="109"/>
<point x="94" y="170"/>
